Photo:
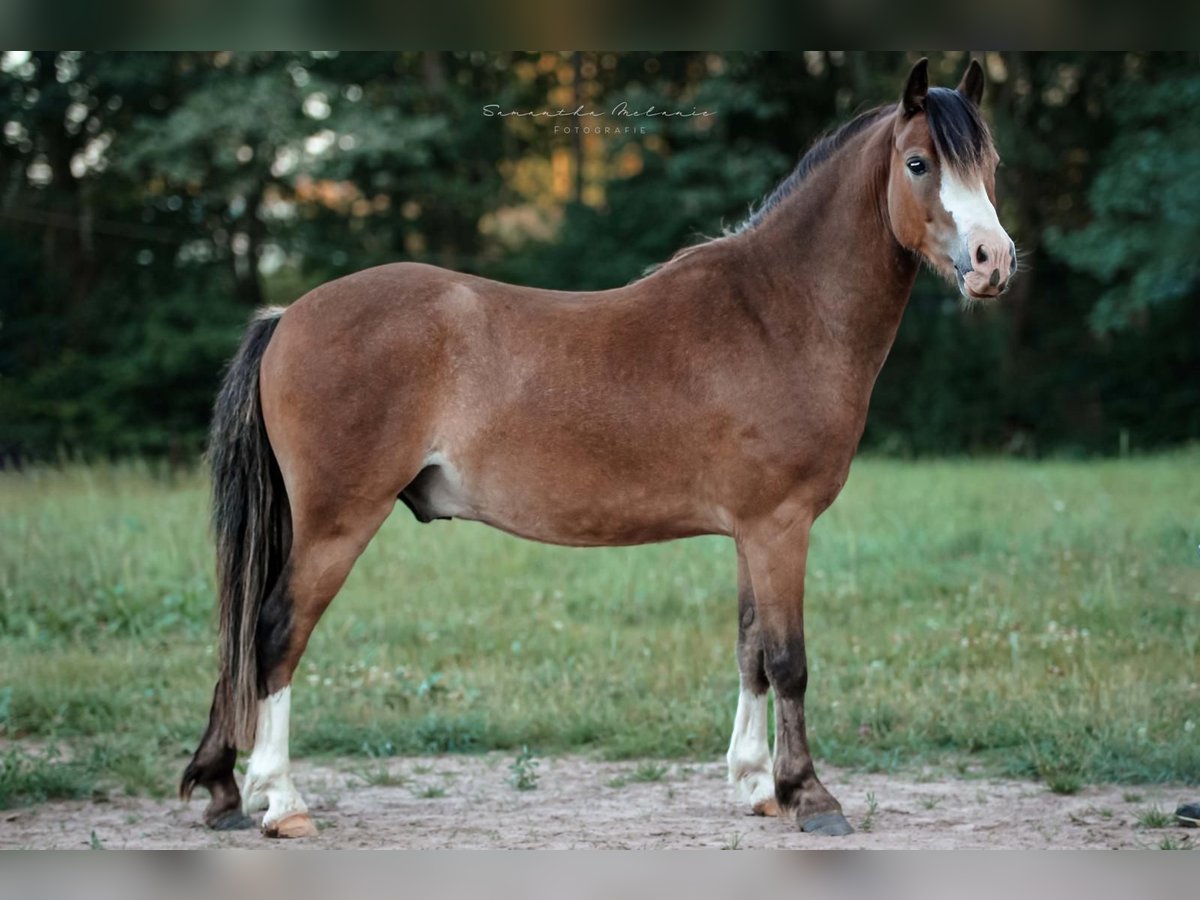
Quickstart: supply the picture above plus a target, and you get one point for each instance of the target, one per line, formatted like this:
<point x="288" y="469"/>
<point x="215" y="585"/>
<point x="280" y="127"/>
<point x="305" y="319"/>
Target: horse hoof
<point x="230" y="820"/>
<point x="830" y="823"/>
<point x="768" y="807"/>
<point x="297" y="825"/>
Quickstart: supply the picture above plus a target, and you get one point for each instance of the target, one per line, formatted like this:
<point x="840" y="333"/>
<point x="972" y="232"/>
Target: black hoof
<point x="830" y="823"/>
<point x="231" y="820"/>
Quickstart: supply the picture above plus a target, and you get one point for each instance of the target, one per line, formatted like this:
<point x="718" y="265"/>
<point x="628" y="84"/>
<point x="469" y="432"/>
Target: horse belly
<point x="598" y="526"/>
<point x="583" y="509"/>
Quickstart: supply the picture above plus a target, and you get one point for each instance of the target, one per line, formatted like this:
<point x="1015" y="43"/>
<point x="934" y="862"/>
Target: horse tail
<point x="251" y="520"/>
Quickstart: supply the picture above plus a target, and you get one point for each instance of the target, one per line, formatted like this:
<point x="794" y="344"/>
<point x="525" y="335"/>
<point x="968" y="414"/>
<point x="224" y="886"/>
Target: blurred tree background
<point x="148" y="201"/>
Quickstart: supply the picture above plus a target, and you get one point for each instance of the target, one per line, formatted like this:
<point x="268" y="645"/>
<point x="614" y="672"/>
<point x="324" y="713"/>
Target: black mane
<point x="960" y="136"/>
<point x="825" y="147"/>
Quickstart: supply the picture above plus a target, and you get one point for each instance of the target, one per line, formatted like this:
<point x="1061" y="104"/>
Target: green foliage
<point x="523" y="774"/>
<point x="1145" y="203"/>
<point x="149" y="201"/>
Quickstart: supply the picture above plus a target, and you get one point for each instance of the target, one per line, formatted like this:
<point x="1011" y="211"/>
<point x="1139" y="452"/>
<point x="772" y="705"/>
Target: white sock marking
<point x="749" y="757"/>
<point x="268" y="780"/>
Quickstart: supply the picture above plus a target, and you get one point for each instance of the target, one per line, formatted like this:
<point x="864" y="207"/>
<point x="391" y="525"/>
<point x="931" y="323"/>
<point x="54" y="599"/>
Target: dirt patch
<point x="468" y="801"/>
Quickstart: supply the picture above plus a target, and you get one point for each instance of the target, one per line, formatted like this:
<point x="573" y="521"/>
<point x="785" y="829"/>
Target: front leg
<point x="749" y="756"/>
<point x="776" y="552"/>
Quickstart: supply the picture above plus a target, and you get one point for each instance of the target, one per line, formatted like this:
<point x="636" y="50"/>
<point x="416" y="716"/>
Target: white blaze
<point x="968" y="204"/>
<point x="749" y="757"/>
<point x="268" y="779"/>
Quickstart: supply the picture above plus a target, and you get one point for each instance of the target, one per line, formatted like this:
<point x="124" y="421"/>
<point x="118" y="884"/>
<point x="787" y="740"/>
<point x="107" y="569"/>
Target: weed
<point x="523" y="770"/>
<point x="1173" y="843"/>
<point x="1064" y="783"/>
<point x="382" y="777"/>
<point x="645" y="773"/>
<point x="648" y="772"/>
<point x="1153" y="817"/>
<point x="868" y="822"/>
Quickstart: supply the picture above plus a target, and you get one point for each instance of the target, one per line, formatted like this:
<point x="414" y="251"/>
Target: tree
<point x="1141" y="242"/>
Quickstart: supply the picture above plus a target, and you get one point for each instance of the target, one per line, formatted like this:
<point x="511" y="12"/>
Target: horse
<point x="724" y="392"/>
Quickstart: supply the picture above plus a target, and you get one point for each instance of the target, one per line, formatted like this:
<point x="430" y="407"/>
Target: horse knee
<point x="787" y="668"/>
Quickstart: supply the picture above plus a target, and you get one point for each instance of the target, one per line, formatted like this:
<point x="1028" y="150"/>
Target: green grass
<point x="1039" y="619"/>
<point x="26" y="778"/>
<point x="646" y="772"/>
<point x="1064" y="782"/>
<point x="1153" y="817"/>
<point x="382" y="777"/>
<point x="1187" y="842"/>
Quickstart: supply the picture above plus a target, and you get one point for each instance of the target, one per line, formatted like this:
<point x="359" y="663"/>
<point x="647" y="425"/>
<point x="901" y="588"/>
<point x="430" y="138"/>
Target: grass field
<point x="1037" y="619"/>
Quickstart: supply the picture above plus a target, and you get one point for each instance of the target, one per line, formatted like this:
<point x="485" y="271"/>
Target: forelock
<point x="960" y="136"/>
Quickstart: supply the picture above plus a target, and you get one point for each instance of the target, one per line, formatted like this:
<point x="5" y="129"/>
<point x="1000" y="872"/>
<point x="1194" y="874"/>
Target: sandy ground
<point x="467" y="801"/>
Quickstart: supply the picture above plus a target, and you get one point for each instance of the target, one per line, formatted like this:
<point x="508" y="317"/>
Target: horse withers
<point x="723" y="393"/>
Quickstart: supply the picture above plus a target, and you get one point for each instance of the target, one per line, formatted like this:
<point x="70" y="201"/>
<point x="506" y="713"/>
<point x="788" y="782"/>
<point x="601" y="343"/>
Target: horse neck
<point x="835" y="272"/>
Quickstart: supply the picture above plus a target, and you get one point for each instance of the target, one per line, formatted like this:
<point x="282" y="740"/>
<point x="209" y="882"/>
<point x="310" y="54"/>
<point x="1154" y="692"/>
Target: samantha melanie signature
<point x="620" y="111"/>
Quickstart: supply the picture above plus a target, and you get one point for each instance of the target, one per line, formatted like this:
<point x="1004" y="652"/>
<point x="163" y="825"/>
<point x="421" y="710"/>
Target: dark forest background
<point x="149" y="201"/>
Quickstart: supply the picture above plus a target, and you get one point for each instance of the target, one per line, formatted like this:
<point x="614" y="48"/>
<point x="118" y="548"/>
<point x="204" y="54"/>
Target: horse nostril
<point x="981" y="254"/>
<point x="995" y="279"/>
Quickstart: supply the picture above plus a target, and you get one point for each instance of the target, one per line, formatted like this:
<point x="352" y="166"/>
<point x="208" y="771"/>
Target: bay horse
<point x="723" y="393"/>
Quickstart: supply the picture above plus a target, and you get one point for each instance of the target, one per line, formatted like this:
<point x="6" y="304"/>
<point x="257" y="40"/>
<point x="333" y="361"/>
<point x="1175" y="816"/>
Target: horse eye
<point x="917" y="166"/>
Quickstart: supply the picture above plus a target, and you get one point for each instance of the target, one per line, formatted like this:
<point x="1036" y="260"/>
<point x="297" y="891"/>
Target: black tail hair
<point x="252" y="523"/>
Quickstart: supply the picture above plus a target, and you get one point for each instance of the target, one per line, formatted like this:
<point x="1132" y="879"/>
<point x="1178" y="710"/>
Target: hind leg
<point x="212" y="768"/>
<point x="317" y="567"/>
<point x="269" y="783"/>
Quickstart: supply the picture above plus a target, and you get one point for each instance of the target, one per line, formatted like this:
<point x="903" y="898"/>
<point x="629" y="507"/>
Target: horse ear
<point x="971" y="85"/>
<point x="912" y="101"/>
